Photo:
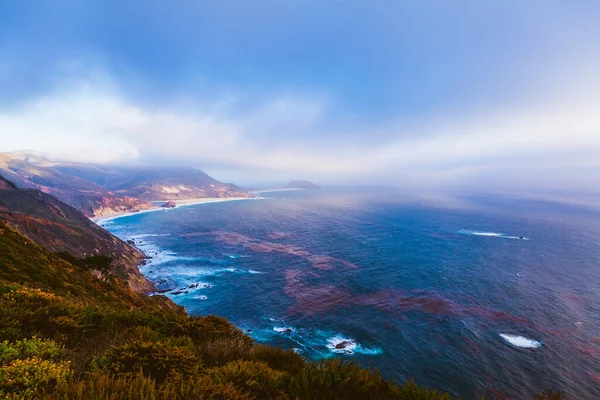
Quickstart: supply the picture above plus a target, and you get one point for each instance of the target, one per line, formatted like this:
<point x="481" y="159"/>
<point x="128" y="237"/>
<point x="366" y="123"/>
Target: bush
<point x="153" y="359"/>
<point x="336" y="379"/>
<point x="27" y="378"/>
<point x="220" y="351"/>
<point x="34" y="347"/>
<point x="253" y="377"/>
<point x="100" y="386"/>
<point x="279" y="359"/>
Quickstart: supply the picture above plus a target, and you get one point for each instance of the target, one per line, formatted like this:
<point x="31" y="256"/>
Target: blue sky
<point x="414" y="93"/>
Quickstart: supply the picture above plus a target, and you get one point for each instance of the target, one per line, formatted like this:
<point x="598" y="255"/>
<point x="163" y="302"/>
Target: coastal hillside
<point x="65" y="334"/>
<point x="164" y="183"/>
<point x="98" y="190"/>
<point x="60" y="228"/>
<point x="28" y="170"/>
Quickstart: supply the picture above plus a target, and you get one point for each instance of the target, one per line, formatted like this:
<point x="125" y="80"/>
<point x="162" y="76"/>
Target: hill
<point x="98" y="190"/>
<point x="58" y="227"/>
<point x="302" y="185"/>
<point x="30" y="171"/>
<point x="6" y="185"/>
<point x="168" y="184"/>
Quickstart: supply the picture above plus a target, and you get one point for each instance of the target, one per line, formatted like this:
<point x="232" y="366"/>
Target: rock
<point x="169" y="204"/>
<point x="343" y="344"/>
<point x="302" y="185"/>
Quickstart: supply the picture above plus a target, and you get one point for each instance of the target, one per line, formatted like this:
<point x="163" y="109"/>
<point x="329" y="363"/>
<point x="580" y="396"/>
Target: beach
<point x="178" y="203"/>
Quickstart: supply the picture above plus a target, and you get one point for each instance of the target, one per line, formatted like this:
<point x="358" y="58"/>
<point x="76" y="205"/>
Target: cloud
<point x="540" y="145"/>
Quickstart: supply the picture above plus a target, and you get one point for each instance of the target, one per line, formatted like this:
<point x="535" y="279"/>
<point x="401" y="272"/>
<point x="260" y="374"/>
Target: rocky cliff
<point x="59" y="227"/>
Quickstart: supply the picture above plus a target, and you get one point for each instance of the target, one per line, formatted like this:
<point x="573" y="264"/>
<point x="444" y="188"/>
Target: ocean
<point x="478" y="296"/>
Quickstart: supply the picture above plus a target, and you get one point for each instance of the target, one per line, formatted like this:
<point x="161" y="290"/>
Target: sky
<point x="466" y="95"/>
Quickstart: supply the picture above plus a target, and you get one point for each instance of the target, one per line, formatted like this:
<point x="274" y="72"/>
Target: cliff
<point x="59" y="227"/>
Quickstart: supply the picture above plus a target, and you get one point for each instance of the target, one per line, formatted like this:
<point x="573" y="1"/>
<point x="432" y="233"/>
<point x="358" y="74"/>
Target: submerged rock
<point x="342" y="345"/>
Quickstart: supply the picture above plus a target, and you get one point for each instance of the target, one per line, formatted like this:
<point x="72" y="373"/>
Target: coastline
<point x="178" y="203"/>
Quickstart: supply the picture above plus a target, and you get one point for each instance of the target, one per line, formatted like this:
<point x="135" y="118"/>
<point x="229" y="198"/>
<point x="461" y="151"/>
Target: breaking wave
<point x="521" y="341"/>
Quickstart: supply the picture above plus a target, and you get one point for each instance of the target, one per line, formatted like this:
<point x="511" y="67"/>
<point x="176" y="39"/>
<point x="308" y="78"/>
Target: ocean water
<point x="478" y="296"/>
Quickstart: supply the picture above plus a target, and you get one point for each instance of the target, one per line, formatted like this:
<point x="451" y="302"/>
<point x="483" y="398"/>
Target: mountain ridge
<point x="100" y="190"/>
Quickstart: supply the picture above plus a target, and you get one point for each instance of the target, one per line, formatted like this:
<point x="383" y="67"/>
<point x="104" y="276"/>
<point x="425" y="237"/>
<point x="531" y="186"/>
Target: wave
<point x="284" y="329"/>
<point x="490" y="234"/>
<point x="480" y="233"/>
<point x="342" y="345"/>
<point x="143" y="235"/>
<point x="521" y="341"/>
<point x="314" y="343"/>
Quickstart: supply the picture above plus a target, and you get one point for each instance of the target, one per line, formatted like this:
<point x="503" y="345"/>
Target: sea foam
<point x="350" y="346"/>
<point x="490" y="234"/>
<point x="521" y="341"/>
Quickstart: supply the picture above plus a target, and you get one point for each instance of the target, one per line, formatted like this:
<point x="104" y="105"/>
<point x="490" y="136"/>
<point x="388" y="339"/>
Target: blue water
<point x="420" y="290"/>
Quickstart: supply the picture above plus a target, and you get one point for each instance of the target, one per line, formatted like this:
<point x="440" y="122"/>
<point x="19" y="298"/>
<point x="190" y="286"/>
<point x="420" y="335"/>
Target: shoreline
<point x="178" y="203"/>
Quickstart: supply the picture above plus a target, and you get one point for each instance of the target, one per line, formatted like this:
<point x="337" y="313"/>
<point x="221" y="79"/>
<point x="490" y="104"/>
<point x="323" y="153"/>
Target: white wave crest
<point x="490" y="234"/>
<point x="283" y="329"/>
<point x="521" y="341"/>
<point x="342" y="345"/>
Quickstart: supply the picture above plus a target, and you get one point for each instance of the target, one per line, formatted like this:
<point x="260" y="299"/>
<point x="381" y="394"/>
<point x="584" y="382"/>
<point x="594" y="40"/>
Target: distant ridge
<point x="99" y="190"/>
<point x="302" y="185"/>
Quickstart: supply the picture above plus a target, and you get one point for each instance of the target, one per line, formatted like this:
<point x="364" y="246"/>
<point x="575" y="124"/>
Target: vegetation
<point x="65" y="334"/>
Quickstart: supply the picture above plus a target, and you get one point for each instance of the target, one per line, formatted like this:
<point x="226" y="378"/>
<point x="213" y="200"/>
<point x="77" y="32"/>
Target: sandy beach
<point x="178" y="203"/>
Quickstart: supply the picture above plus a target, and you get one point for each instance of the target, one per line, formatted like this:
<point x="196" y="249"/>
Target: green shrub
<point x="222" y="350"/>
<point x="201" y="387"/>
<point x="27" y="378"/>
<point x="279" y="359"/>
<point x="253" y="377"/>
<point x="34" y="347"/>
<point x="153" y="359"/>
<point x="101" y="386"/>
<point x="336" y="379"/>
